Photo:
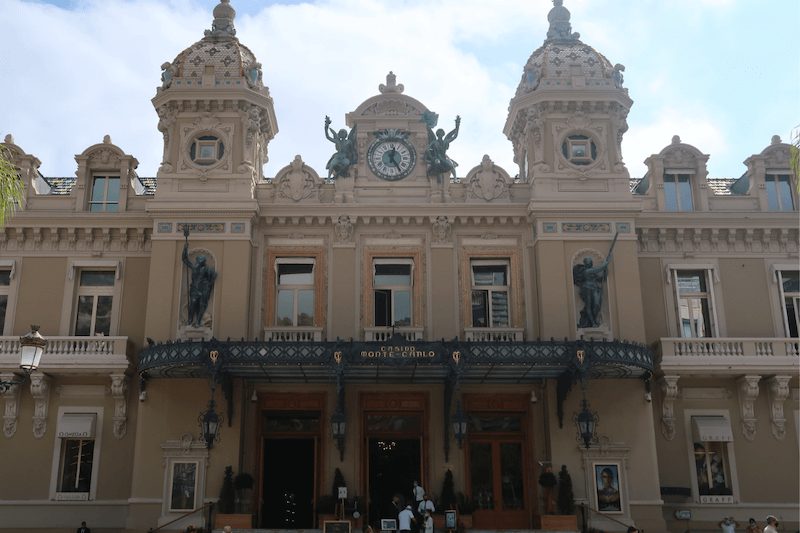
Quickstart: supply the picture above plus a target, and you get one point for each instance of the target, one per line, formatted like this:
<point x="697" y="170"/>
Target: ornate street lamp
<point x="586" y="422"/>
<point x="210" y="421"/>
<point x="339" y="430"/>
<point x="32" y="346"/>
<point x="459" y="424"/>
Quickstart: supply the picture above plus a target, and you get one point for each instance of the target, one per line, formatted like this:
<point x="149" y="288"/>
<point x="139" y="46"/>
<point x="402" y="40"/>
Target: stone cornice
<point x="732" y="239"/>
<point x="77" y="236"/>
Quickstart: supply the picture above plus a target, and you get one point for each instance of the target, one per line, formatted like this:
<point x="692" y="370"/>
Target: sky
<point x="724" y="75"/>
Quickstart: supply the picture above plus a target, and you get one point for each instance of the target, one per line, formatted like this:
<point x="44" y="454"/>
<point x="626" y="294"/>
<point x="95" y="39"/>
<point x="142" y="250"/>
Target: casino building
<point x="395" y="322"/>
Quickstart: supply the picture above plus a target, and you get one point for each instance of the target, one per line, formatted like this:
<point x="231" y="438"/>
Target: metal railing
<point x="585" y="509"/>
<point x="208" y="506"/>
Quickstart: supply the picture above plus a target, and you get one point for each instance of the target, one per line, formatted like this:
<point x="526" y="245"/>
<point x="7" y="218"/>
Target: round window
<point x="579" y="149"/>
<point x="206" y="150"/>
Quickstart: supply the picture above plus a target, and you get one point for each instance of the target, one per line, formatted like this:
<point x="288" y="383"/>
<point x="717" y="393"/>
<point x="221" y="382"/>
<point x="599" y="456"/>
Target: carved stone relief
<point x="11" y="411"/>
<point x="297" y="181"/>
<point x="441" y="229"/>
<point x="669" y="389"/>
<point x="778" y="393"/>
<point x="748" y="393"/>
<point x="119" y="391"/>
<point x="344" y="229"/>
<point x="488" y="181"/>
<point x="40" y="390"/>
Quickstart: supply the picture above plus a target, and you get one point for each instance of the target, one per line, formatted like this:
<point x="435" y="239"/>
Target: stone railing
<point x="382" y="334"/>
<point x="731" y="354"/>
<point x="71" y="354"/>
<point x="493" y="334"/>
<point x="291" y="334"/>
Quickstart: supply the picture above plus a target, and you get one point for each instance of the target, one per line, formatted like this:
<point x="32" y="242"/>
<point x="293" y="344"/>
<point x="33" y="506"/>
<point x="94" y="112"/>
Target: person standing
<point x="752" y="527"/>
<point x="426" y="506"/>
<point x="428" y="522"/>
<point x="772" y="525"/>
<point x="83" y="528"/>
<point x="728" y="524"/>
<point x="404" y="519"/>
<point x="418" y="492"/>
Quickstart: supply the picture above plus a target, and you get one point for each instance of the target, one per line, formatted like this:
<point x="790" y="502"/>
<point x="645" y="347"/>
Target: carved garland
<point x="11" y="412"/>
<point x="119" y="390"/>
<point x="669" y="388"/>
<point x="748" y="393"/>
<point x="40" y="390"/>
<point x="778" y="393"/>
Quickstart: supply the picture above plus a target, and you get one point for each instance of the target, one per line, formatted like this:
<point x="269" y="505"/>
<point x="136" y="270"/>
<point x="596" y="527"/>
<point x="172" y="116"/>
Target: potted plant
<point x="226" y="505"/>
<point x="465" y="508"/>
<point x="243" y="483"/>
<point x="566" y="519"/>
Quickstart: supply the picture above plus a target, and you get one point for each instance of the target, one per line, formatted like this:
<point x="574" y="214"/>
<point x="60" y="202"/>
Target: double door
<point x="497" y="483"/>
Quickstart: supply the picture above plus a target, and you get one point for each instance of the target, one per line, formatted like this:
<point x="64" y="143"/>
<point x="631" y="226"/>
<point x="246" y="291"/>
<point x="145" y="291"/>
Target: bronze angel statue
<point x="438" y="144"/>
<point x="345" y="156"/>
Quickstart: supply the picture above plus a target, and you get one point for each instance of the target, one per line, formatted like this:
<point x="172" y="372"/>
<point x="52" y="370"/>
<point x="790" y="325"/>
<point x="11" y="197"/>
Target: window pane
<point x="480" y="309"/>
<point x="83" y="320"/>
<point x="499" y="309"/>
<point x="99" y="189"/>
<point x="382" y="307"/>
<point x="393" y="275"/>
<point x="285" y="312"/>
<point x="480" y="470"/>
<point x="76" y="465"/>
<point x="790" y="281"/>
<point x="402" y="308"/>
<point x="305" y="308"/>
<point x="492" y="423"/>
<point x="102" y="322"/>
<point x="772" y="194"/>
<point x="5" y="278"/>
<point x="511" y="470"/>
<point x="97" y="278"/>
<point x="685" y="191"/>
<point x="489" y="275"/>
<point x="295" y="274"/>
<point x="691" y="282"/>
<point x="670" y="193"/>
<point x="112" y="191"/>
<point x="785" y="193"/>
<point x="393" y="423"/>
<point x="792" y="316"/>
<point x="3" y="306"/>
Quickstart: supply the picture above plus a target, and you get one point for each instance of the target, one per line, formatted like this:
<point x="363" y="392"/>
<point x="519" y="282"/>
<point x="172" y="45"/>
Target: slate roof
<point x="719" y="186"/>
<point x="62" y="186"/>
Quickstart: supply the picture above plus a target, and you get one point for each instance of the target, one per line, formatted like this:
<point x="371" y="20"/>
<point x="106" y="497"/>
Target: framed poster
<point x="183" y="486"/>
<point x="336" y="526"/>
<point x="450" y="521"/>
<point x="388" y="524"/>
<point x="608" y="491"/>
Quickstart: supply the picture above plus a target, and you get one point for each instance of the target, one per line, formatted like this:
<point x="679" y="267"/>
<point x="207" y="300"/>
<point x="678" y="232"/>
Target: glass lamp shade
<point x="210" y="422"/>
<point x="338" y="425"/>
<point x="587" y="424"/>
<point x="32" y="346"/>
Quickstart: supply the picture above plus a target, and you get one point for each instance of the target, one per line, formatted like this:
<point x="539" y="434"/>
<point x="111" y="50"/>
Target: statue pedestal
<point x="191" y="333"/>
<point x="595" y="334"/>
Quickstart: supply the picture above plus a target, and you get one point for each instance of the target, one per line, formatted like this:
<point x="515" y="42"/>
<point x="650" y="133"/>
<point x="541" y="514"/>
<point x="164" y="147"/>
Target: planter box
<point x="558" y="522"/>
<point x="236" y="521"/>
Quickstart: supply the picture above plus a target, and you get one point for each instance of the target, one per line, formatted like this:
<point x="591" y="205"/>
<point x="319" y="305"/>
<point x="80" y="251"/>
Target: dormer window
<point x="206" y="150"/>
<point x="579" y="150"/>
<point x="677" y="192"/>
<point x="105" y="194"/>
<point x="779" y="192"/>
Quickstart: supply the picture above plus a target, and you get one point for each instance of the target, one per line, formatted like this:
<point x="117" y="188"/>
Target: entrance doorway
<point x="288" y="483"/>
<point x="394" y="465"/>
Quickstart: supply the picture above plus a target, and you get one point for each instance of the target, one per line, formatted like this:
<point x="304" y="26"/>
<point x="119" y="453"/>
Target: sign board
<point x="336" y="526"/>
<point x="342" y="493"/>
<point x="450" y="521"/>
<point x="388" y="524"/>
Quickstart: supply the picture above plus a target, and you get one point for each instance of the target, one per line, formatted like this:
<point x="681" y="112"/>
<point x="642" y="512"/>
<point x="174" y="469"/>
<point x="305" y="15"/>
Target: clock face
<point x="391" y="159"/>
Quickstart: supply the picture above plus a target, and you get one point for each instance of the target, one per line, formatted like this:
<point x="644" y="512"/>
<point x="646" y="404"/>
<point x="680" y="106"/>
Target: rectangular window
<point x="710" y="436"/>
<point x="77" y="456"/>
<point x="677" y="192"/>
<point x="295" y="290"/>
<point x="5" y="289"/>
<point x="392" y="292"/>
<point x="94" y="302"/>
<point x="490" y="294"/>
<point x="779" y="192"/>
<point x="790" y="295"/>
<point x="694" y="303"/>
<point x="105" y="194"/>
<point x="77" y="447"/>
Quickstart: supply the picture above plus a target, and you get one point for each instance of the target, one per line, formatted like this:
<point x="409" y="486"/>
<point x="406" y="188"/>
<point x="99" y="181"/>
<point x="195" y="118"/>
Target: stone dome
<point x="563" y="58"/>
<point x="234" y="64"/>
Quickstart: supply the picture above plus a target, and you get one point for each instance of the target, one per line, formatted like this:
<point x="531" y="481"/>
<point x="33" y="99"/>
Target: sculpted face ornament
<point x="456" y="357"/>
<point x="337" y="356"/>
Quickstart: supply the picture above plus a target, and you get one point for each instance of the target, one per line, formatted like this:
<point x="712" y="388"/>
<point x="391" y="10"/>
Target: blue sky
<point x="722" y="74"/>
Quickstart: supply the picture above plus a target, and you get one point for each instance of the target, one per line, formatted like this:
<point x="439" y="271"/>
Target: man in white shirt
<point x="404" y="519"/>
<point x="728" y="524"/>
<point x="772" y="525"/>
<point x="418" y="492"/>
<point x="426" y="505"/>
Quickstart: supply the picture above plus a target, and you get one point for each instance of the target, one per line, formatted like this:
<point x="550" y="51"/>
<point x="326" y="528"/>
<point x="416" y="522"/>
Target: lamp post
<point x="339" y="430"/>
<point x="210" y="421"/>
<point x="586" y="422"/>
<point x="32" y="346"/>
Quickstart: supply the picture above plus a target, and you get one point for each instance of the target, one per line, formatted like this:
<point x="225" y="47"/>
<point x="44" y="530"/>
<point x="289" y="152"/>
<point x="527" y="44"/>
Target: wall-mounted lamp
<point x="339" y="431"/>
<point x="31" y="348"/>
<point x="586" y="422"/>
<point x="254" y="396"/>
<point x="459" y="425"/>
<point x="534" y="398"/>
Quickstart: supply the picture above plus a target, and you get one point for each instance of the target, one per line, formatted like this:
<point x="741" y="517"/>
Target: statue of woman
<point x="345" y="156"/>
<point x="438" y="144"/>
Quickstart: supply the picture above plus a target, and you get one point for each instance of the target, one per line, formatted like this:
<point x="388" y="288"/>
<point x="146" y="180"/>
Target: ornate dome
<point x="563" y="57"/>
<point x="234" y="64"/>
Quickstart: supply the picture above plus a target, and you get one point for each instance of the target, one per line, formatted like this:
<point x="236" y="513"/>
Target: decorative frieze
<point x="95" y="240"/>
<point x="700" y="240"/>
<point x="748" y="393"/>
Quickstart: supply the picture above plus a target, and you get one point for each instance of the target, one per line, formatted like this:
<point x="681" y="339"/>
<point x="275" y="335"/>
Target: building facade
<point x="396" y="320"/>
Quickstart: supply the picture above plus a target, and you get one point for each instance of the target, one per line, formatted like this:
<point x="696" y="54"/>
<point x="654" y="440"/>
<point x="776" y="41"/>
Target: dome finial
<point x="223" y="20"/>
<point x="560" y="28"/>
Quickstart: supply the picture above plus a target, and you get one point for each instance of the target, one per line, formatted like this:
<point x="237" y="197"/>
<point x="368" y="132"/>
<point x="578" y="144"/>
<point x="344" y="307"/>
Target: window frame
<point x="779" y="272"/>
<point x="489" y="289"/>
<point x="393" y="289"/>
<point x="10" y="292"/>
<point x="675" y="178"/>
<point x="295" y="288"/>
<point x="72" y="291"/>
<point x="730" y="457"/>
<point x="58" y="442"/>
<point x="709" y="274"/>
<point x="775" y="178"/>
<point x="104" y="203"/>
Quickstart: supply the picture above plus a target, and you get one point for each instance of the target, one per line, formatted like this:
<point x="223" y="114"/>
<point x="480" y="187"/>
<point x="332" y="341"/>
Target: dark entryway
<point x="394" y="465"/>
<point x="288" y="490"/>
